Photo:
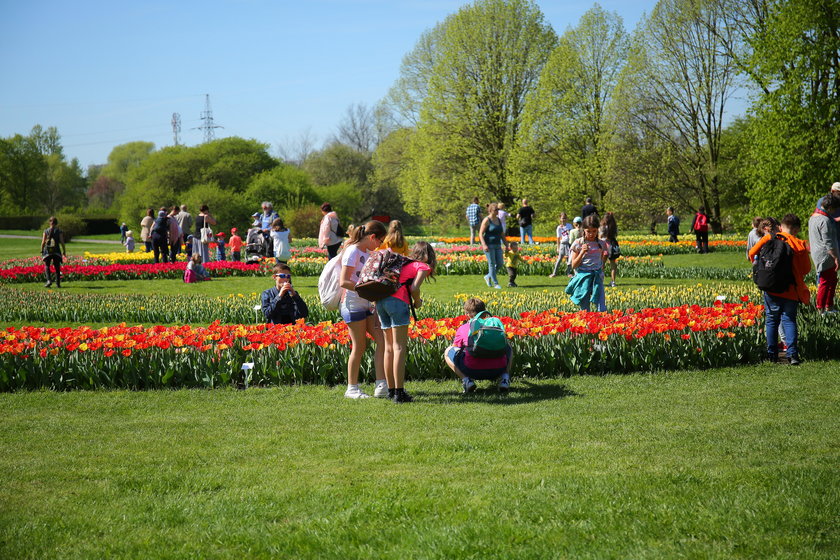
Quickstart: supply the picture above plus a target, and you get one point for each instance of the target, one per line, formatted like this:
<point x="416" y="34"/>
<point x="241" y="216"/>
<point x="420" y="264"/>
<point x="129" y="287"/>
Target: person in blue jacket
<point x="282" y="305"/>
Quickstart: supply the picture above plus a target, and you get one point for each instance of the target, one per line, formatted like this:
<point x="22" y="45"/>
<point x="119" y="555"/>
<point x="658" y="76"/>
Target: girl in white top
<point x="281" y="238"/>
<point x="357" y="312"/>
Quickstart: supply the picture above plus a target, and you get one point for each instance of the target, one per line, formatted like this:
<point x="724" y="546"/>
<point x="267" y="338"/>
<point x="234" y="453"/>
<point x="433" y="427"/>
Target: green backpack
<point x="487" y="337"/>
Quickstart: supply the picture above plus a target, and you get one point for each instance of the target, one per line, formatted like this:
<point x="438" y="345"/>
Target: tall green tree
<point x="23" y="172"/>
<point x="160" y="180"/>
<point x="488" y="58"/>
<point x="564" y="148"/>
<point x="676" y="86"/>
<point x="792" y="54"/>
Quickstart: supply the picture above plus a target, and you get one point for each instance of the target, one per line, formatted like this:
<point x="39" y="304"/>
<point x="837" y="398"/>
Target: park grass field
<point x="723" y="463"/>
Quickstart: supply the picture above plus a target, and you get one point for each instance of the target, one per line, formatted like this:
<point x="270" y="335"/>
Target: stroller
<point x="256" y="247"/>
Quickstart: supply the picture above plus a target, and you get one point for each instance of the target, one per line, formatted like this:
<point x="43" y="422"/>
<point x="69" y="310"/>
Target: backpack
<point x="329" y="284"/>
<point x="487" y="337"/>
<point x="773" y="267"/>
<point x="615" y="250"/>
<point x="161" y="226"/>
<point x="340" y="231"/>
<point x="380" y="276"/>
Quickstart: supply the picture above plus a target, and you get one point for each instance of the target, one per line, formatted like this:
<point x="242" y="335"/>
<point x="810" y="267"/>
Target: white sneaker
<point x="487" y="279"/>
<point x="497" y="287"/>
<point x="381" y="391"/>
<point x="356" y="393"/>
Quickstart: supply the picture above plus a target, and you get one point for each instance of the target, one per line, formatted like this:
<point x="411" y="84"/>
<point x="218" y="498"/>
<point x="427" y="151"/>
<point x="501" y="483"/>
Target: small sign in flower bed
<point x="546" y="344"/>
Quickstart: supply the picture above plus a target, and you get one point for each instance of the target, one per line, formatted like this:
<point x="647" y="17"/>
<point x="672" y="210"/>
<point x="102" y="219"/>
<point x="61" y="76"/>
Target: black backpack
<point x="773" y="267"/>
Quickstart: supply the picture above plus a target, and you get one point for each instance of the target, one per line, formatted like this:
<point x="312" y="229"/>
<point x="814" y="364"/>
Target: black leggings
<point x="56" y="262"/>
<point x="160" y="248"/>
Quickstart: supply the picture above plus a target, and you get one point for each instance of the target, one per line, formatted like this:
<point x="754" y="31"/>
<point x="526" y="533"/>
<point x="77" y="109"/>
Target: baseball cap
<point x="233" y="230"/>
<point x="220" y="234"/>
<point x="255" y="214"/>
<point x="836" y="186"/>
<point x="161" y="214"/>
<point x="577" y="220"/>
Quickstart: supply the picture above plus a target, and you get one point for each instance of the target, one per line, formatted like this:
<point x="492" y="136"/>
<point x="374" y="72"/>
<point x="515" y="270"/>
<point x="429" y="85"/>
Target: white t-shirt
<point x="592" y="259"/>
<point x="563" y="233"/>
<point x="354" y="258"/>
<point x="503" y="215"/>
<point x="282" y="247"/>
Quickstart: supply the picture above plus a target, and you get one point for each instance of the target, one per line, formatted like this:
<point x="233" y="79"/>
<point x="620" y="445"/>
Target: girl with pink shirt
<point x="394" y="317"/>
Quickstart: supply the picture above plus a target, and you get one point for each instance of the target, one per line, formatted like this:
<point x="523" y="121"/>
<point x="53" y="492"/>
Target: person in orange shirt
<point x="782" y="307"/>
<point x="235" y="244"/>
<point x="395" y="240"/>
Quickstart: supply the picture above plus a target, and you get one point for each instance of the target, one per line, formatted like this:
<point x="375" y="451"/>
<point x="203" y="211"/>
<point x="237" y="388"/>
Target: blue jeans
<point x="526" y="231"/>
<point x="776" y="309"/>
<point x="495" y="261"/>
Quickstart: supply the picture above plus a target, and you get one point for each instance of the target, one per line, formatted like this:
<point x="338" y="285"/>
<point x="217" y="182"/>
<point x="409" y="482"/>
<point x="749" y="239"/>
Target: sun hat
<point x="220" y="234"/>
<point x="577" y="220"/>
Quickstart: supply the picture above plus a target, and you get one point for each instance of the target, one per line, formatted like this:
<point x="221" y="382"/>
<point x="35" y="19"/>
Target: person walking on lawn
<point x="473" y="218"/>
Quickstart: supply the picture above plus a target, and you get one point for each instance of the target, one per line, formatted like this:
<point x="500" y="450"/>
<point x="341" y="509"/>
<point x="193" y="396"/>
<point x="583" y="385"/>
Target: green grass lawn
<point x="735" y="462"/>
<point x="716" y="464"/>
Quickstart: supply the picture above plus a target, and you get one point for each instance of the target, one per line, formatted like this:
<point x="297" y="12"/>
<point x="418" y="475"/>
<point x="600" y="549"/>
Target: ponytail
<point x="372" y="227"/>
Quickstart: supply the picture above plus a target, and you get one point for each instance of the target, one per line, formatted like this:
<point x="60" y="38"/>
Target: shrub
<point x="303" y="221"/>
<point x="69" y="224"/>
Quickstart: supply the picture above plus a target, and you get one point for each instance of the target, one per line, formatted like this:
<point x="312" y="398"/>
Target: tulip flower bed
<point x="52" y="306"/>
<point x="547" y="344"/>
<point x="449" y="264"/>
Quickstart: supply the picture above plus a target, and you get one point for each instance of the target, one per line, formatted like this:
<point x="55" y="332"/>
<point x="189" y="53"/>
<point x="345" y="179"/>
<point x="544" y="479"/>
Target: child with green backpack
<point x="480" y="349"/>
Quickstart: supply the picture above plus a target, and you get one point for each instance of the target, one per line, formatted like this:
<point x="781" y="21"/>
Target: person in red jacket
<point x="701" y="230"/>
<point x="782" y="307"/>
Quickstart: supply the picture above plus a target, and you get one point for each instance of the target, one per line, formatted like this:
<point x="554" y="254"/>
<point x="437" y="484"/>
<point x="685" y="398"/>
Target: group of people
<point x="782" y="259"/>
<point x="524" y="216"/>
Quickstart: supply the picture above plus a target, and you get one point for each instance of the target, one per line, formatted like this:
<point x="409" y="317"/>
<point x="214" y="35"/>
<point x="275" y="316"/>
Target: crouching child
<point x="282" y="305"/>
<point x="480" y="350"/>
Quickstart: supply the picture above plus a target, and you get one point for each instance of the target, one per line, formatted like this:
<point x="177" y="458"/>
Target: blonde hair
<point x="395" y="236"/>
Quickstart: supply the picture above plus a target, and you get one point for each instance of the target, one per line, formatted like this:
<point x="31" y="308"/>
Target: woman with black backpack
<point x="53" y="251"/>
<point x="160" y="237"/>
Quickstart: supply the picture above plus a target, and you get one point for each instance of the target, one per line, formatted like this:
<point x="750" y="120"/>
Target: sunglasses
<point x="281" y="275"/>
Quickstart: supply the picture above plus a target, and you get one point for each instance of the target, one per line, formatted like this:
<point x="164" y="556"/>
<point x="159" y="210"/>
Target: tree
<point x="792" y="54"/>
<point x="162" y="177"/>
<point x="124" y="158"/>
<point x="295" y="150"/>
<point x="358" y="129"/>
<point x="677" y="82"/>
<point x="406" y="96"/>
<point x="488" y="59"/>
<point x="567" y="126"/>
<point x="65" y="184"/>
<point x="23" y="172"/>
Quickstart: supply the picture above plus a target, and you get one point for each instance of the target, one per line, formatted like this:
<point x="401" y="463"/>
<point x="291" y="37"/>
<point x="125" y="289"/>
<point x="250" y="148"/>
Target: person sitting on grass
<point x="468" y="367"/>
<point x="512" y="261"/>
<point x="282" y="305"/>
<point x="195" y="271"/>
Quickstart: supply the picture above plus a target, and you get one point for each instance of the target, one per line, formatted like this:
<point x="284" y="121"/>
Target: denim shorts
<point x="457" y="357"/>
<point x="353" y="316"/>
<point x="393" y="312"/>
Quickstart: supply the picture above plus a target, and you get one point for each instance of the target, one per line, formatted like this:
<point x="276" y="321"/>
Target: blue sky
<point x="106" y="73"/>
